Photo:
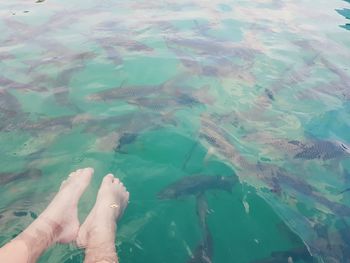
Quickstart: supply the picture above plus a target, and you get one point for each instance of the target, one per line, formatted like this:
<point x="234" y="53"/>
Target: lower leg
<point x="97" y="234"/>
<point x="58" y="223"/>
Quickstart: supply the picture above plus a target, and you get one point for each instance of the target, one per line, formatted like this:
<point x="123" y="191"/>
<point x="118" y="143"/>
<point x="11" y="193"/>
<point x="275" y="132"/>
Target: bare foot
<point x="62" y="212"/>
<point x="58" y="223"/>
<point x="98" y="230"/>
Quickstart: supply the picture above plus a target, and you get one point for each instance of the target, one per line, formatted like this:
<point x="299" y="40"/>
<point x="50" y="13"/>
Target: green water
<point x="157" y="91"/>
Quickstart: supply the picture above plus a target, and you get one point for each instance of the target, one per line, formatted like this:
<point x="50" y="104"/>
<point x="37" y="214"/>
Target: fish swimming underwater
<point x="196" y="184"/>
<point x="324" y="150"/>
<point x="204" y="250"/>
<point x="306" y="149"/>
<point x="125" y="139"/>
<point x="125" y="92"/>
<point x="8" y="177"/>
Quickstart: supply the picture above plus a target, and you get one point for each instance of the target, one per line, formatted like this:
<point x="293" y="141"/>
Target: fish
<point x="209" y="47"/>
<point x="12" y="84"/>
<point x="165" y="103"/>
<point x="9" y="102"/>
<point x="272" y="175"/>
<point x="113" y="55"/>
<point x="129" y="44"/>
<point x="61" y="87"/>
<point x="51" y="124"/>
<point x="278" y="178"/>
<point x="8" y="177"/>
<point x="125" y="139"/>
<point x="220" y="140"/>
<point x="204" y="250"/>
<point x="60" y="59"/>
<point x="196" y="184"/>
<point x="269" y="94"/>
<point x="325" y="150"/>
<point x="306" y="149"/>
<point x="12" y="116"/>
<point x="130" y="123"/>
<point x="124" y="92"/>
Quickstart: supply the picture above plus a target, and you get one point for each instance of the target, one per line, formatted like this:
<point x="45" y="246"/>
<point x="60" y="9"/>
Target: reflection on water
<point x="227" y="120"/>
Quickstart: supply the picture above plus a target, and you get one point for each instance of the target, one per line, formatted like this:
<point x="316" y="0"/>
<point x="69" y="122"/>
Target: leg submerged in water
<point x="58" y="223"/>
<point x="97" y="234"/>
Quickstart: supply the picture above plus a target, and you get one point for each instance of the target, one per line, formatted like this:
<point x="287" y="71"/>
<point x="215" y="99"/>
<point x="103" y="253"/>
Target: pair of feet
<point x="99" y="226"/>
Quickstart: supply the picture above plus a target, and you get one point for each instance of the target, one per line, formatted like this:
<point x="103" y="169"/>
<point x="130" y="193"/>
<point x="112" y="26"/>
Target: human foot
<point x="60" y="218"/>
<point x="99" y="227"/>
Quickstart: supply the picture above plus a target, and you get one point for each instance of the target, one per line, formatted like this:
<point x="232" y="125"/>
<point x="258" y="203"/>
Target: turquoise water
<point x="156" y="92"/>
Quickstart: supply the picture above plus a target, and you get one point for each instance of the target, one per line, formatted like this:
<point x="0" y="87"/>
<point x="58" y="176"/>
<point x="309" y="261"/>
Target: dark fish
<point x="9" y="102"/>
<point x="204" y="251"/>
<point x="163" y="103"/>
<point x="61" y="87"/>
<point x="10" y="177"/>
<point x="196" y="184"/>
<point x="220" y="140"/>
<point x="323" y="150"/>
<point x="187" y="60"/>
<point x="11" y="115"/>
<point x="125" y="139"/>
<point x="113" y="55"/>
<point x="125" y="43"/>
<point x="59" y="59"/>
<point x="269" y="94"/>
<point x="283" y="179"/>
<point x="127" y="92"/>
<point x="20" y="213"/>
<point x="209" y="47"/>
<point x="51" y="124"/>
<point x="11" y="84"/>
<point x="186" y="99"/>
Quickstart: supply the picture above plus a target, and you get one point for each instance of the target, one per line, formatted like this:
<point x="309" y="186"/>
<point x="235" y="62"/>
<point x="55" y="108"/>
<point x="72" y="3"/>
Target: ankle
<point x="43" y="230"/>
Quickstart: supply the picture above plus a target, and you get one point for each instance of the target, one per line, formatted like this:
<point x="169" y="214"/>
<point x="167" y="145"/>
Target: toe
<point x="72" y="174"/>
<point x="108" y="178"/>
<point x="117" y="181"/>
<point x="89" y="170"/>
<point x="63" y="184"/>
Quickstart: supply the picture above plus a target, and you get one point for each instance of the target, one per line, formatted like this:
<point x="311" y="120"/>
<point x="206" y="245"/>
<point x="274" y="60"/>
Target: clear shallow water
<point x="156" y="92"/>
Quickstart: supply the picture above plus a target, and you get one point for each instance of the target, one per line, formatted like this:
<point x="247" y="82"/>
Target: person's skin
<point x="97" y="233"/>
<point x="59" y="222"/>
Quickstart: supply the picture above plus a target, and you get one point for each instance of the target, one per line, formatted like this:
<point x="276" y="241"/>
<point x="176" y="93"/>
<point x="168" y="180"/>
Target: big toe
<point x="82" y="174"/>
<point x="108" y="179"/>
<point x="87" y="172"/>
<point x="80" y="178"/>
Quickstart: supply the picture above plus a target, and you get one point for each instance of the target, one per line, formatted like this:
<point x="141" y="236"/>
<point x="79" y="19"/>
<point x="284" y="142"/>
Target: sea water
<point x="157" y="91"/>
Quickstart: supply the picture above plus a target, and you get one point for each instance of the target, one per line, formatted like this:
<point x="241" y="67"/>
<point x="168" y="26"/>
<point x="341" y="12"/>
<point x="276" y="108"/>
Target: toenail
<point x="89" y="169"/>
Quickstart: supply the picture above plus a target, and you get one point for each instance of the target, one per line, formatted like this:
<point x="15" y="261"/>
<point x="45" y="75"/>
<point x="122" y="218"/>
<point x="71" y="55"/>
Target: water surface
<point x="157" y="91"/>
